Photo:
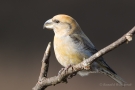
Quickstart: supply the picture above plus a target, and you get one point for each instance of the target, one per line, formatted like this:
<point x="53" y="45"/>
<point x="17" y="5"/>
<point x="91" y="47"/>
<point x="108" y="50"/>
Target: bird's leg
<point x="66" y="69"/>
<point x="70" y="76"/>
<point x="60" y="71"/>
<point x="73" y="74"/>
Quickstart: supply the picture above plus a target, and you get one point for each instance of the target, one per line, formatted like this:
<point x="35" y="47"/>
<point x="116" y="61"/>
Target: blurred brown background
<point x="23" y="41"/>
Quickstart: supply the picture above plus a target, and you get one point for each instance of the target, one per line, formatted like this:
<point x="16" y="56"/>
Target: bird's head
<point x="61" y="24"/>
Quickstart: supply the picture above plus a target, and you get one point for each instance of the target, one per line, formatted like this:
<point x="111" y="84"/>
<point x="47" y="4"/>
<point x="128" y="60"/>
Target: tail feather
<point x="105" y="69"/>
<point x="113" y="75"/>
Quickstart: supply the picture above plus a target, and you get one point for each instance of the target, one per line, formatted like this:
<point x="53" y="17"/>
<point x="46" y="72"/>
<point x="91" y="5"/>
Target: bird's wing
<point x="87" y="45"/>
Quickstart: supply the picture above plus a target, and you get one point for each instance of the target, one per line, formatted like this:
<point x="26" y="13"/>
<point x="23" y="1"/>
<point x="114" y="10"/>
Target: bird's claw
<point x="64" y="69"/>
<point x="70" y="76"/>
<point x="60" y="71"/>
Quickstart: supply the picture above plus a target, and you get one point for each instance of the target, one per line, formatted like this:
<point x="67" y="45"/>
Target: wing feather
<point x="87" y="45"/>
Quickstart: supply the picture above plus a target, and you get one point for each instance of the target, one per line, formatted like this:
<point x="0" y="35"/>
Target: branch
<point x="45" y="82"/>
<point x="44" y="69"/>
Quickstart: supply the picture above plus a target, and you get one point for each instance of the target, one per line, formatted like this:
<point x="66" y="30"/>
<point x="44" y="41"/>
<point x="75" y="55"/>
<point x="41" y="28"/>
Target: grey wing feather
<point x="104" y="68"/>
<point x="100" y="60"/>
<point x="88" y="45"/>
<point x="84" y="41"/>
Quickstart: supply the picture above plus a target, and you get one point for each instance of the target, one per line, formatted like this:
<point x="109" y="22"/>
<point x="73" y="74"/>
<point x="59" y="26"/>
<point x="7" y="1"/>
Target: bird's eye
<point x="56" y="21"/>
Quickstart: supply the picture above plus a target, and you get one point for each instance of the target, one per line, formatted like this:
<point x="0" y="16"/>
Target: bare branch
<point x="44" y="68"/>
<point x="45" y="82"/>
<point x="45" y="62"/>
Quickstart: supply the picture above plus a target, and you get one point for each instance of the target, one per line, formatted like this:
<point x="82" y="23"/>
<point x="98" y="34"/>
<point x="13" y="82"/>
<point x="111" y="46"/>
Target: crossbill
<point x="72" y="46"/>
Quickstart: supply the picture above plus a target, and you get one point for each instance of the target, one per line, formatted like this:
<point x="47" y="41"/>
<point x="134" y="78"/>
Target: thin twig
<point x="45" y="82"/>
<point x="44" y="68"/>
<point x="45" y="62"/>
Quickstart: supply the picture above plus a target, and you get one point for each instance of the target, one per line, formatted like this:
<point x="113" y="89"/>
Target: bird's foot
<point x="70" y="76"/>
<point x="60" y="71"/>
<point x="64" y="69"/>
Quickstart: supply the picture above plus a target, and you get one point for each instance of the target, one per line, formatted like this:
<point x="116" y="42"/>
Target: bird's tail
<point x="109" y="72"/>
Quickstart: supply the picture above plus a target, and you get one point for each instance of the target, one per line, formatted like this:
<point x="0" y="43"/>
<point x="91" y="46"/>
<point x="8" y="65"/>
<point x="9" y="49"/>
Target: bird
<point x="72" y="46"/>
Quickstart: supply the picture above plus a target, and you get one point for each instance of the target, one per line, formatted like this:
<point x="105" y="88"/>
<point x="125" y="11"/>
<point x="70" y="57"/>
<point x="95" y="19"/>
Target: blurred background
<point x="23" y="41"/>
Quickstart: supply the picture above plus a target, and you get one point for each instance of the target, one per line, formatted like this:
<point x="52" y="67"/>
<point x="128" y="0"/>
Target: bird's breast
<point x="67" y="51"/>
